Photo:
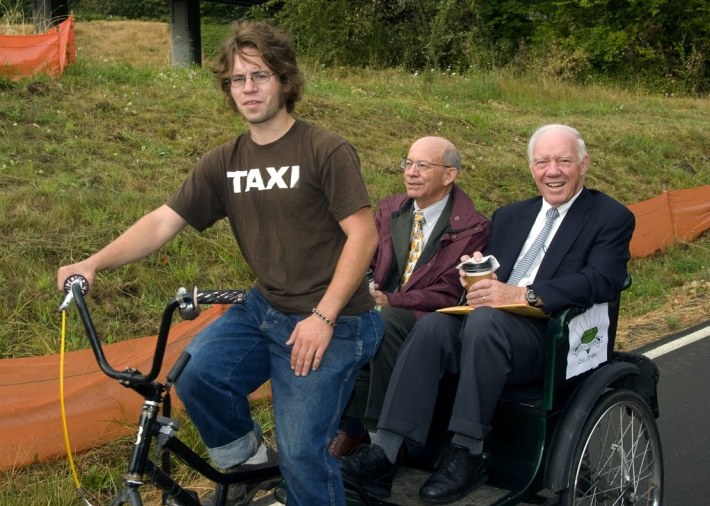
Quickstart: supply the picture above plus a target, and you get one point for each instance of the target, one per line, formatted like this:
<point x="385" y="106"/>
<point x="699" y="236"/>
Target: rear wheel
<point x="618" y="458"/>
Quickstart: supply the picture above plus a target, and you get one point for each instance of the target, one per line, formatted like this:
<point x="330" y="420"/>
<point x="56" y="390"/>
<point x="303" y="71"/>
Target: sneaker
<point x="239" y="494"/>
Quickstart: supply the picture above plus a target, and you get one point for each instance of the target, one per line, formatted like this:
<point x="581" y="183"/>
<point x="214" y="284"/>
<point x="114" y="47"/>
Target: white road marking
<point x="679" y="343"/>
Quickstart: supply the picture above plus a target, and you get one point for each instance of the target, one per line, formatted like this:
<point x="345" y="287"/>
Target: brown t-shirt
<point x="284" y="201"/>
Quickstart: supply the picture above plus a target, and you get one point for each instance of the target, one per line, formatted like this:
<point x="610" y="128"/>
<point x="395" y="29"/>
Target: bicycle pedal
<point x="168" y="422"/>
<point x="175" y="502"/>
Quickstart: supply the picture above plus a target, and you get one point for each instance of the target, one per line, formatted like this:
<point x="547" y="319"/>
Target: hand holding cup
<point x="476" y="271"/>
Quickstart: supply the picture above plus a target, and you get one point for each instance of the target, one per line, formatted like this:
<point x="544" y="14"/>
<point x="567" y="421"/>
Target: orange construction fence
<point x="672" y="217"/>
<point x="27" y="55"/>
<point x="99" y="410"/>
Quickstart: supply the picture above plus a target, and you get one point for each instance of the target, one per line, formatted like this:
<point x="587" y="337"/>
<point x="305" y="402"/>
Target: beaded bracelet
<point x="324" y="318"/>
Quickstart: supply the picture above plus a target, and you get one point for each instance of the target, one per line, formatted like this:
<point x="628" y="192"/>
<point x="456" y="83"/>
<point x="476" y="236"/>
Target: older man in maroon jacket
<point x="451" y="227"/>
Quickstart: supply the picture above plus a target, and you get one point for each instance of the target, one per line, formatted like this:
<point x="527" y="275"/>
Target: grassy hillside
<point x="83" y="157"/>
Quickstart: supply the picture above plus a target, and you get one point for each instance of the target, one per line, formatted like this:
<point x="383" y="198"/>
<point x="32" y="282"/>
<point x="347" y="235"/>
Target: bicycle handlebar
<point x="220" y="297"/>
<point x="76" y="287"/>
<point x="69" y="283"/>
<point x="189" y="303"/>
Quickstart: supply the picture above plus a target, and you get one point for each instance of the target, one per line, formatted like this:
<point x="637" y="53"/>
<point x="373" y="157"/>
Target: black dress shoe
<point x="368" y="468"/>
<point x="457" y="474"/>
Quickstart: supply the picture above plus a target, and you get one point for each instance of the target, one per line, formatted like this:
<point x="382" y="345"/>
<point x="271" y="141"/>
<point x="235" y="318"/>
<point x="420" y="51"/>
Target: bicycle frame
<point x="152" y="426"/>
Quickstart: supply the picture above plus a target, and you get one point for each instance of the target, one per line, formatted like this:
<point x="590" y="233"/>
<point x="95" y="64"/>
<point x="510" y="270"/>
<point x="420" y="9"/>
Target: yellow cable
<point x="75" y="476"/>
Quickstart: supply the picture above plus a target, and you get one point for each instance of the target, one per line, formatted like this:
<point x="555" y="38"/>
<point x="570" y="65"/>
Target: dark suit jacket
<point x="586" y="261"/>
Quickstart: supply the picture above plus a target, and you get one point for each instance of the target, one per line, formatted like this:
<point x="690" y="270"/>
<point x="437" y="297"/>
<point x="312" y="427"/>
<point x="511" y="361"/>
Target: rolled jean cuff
<point x="238" y="451"/>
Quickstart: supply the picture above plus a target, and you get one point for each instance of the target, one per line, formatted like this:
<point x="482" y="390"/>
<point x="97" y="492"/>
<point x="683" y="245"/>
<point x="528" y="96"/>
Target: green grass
<point x="656" y="279"/>
<point x="83" y="157"/>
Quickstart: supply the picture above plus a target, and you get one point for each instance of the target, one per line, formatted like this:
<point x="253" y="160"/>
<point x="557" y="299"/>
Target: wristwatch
<point x="531" y="297"/>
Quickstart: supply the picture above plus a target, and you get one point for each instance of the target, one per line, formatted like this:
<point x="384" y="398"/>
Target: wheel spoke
<point x="620" y="461"/>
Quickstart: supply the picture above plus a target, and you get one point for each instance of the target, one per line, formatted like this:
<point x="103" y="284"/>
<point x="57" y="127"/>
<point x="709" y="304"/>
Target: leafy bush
<point x="664" y="43"/>
<point x="129" y="9"/>
<point x="579" y="39"/>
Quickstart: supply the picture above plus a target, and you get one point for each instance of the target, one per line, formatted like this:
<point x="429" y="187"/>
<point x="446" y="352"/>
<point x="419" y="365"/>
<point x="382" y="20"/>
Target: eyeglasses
<point x="238" y="80"/>
<point x="422" y="165"/>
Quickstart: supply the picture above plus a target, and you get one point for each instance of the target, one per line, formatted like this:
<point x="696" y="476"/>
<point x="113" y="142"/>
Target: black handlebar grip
<point x="69" y="283"/>
<point x="177" y="368"/>
<point x="76" y="279"/>
<point x="220" y="297"/>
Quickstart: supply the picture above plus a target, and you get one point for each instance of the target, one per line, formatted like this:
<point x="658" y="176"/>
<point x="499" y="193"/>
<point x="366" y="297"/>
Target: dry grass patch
<point x="145" y="43"/>
<point x="687" y="306"/>
<point x="136" y="42"/>
<point x="16" y="29"/>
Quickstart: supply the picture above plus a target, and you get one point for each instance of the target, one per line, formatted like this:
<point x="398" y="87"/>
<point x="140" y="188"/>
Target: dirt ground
<point x="688" y="306"/>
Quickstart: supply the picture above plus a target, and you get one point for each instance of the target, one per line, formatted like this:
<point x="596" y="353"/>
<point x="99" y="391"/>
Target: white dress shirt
<point x="529" y="276"/>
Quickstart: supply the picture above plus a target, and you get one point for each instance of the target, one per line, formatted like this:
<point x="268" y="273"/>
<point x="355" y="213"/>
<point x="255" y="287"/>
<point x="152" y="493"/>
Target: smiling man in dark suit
<point x="568" y="246"/>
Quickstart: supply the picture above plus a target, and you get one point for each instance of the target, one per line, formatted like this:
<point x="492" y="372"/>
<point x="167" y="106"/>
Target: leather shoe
<point x="457" y="474"/>
<point x="368" y="468"/>
<point x="343" y="444"/>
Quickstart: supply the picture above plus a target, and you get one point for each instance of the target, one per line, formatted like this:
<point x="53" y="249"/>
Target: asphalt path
<point x="683" y="361"/>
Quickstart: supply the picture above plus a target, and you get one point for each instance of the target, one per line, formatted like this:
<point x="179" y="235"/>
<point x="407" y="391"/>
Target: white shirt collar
<point x="561" y="209"/>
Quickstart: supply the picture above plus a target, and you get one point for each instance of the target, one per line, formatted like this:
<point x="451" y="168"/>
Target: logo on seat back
<point x="588" y="335"/>
<point x="589" y="339"/>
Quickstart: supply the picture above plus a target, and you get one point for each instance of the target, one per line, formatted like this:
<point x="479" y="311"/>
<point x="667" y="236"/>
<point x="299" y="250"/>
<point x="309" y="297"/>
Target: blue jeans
<point x="237" y="353"/>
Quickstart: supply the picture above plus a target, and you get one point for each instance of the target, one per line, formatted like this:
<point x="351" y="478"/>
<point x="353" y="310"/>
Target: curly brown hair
<point x="275" y="48"/>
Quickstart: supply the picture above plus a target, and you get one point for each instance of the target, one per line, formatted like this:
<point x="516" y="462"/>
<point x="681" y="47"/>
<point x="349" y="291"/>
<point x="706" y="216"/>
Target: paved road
<point x="684" y="422"/>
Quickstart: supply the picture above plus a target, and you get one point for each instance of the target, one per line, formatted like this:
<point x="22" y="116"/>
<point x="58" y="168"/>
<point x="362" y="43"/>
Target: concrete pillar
<point x="185" y="32"/>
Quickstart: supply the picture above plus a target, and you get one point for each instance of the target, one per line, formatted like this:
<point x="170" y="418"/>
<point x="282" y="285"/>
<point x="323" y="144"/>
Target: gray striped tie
<point x="522" y="267"/>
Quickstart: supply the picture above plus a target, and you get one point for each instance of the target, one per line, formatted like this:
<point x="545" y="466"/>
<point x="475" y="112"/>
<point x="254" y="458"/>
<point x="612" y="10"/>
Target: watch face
<point x="531" y="296"/>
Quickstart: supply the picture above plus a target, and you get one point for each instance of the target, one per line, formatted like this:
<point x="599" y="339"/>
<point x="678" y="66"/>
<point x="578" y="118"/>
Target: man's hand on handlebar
<point x="81" y="268"/>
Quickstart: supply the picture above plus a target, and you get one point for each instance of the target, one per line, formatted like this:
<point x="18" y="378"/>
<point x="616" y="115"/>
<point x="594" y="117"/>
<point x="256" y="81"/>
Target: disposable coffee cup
<point x="477" y="271"/>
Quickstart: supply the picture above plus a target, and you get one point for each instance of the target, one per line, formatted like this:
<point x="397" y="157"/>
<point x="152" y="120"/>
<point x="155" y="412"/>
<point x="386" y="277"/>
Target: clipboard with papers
<point x="519" y="309"/>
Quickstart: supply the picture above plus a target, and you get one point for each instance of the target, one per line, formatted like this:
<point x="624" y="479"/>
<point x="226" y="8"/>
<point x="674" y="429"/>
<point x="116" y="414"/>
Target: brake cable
<point x="63" y="309"/>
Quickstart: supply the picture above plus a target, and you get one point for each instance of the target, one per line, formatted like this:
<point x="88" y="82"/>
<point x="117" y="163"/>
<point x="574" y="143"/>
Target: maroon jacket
<point x="434" y="284"/>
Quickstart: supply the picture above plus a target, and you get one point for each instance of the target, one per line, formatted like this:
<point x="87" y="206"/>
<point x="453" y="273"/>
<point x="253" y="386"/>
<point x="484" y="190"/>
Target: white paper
<point x="494" y="262"/>
<point x="588" y="340"/>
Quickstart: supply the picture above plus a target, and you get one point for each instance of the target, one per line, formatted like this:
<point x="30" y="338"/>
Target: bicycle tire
<point x="618" y="458"/>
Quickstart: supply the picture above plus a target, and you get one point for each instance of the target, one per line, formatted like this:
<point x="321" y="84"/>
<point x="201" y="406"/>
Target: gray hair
<point x="451" y="158"/>
<point x="581" y="146"/>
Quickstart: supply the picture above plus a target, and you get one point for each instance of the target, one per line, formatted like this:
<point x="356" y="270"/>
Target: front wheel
<point x="618" y="458"/>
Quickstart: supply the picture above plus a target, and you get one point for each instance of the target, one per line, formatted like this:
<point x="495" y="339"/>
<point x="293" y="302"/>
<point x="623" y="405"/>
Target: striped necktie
<point x="523" y="265"/>
<point x="416" y="245"/>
